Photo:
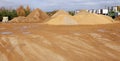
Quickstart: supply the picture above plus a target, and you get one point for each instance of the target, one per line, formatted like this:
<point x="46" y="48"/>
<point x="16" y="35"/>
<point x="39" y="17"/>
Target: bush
<point x="72" y="13"/>
<point x="112" y="14"/>
<point x="52" y="12"/>
<point x="21" y="11"/>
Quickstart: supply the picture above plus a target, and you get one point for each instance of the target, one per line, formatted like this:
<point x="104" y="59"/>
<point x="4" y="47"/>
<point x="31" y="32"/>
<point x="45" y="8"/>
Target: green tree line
<point x="11" y="13"/>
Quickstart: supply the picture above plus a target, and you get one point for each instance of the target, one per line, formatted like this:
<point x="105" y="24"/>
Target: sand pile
<point x="60" y="12"/>
<point x="82" y="18"/>
<point x="18" y="19"/>
<point x="36" y="16"/>
<point x="62" y="18"/>
<point x="86" y="18"/>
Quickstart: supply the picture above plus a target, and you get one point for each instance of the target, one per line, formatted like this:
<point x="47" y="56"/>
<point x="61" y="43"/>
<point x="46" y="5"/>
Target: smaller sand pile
<point x="18" y="19"/>
<point x="36" y="15"/>
<point x="86" y="18"/>
<point x="61" y="18"/>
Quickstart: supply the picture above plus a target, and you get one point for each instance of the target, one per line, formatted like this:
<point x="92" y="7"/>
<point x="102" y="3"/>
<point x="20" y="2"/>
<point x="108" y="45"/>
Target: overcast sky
<point x="49" y="5"/>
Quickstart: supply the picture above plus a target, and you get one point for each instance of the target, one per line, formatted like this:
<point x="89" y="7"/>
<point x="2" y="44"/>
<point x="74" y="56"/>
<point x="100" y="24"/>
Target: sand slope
<point x="38" y="16"/>
<point x="60" y="12"/>
<point x="18" y="20"/>
<point x="61" y="18"/>
<point x="86" y="18"/>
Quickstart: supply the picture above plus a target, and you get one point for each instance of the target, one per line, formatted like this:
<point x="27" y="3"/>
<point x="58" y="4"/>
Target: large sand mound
<point x="86" y="18"/>
<point x="82" y="18"/>
<point x="62" y="18"/>
<point x="36" y="16"/>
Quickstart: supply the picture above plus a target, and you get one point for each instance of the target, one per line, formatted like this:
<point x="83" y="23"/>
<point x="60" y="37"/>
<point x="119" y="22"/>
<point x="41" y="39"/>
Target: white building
<point x="94" y="11"/>
<point x="90" y="11"/>
<point x="77" y="11"/>
<point x="99" y="11"/>
<point x="105" y="11"/>
<point x="5" y="19"/>
<point x="115" y="9"/>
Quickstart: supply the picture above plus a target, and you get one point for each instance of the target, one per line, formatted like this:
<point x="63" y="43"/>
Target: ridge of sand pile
<point x="60" y="12"/>
<point x="36" y="15"/>
<point x="86" y="18"/>
<point x="61" y="18"/>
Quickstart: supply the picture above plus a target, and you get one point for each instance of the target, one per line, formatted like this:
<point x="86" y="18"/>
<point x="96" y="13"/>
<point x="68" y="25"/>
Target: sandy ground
<point x="37" y="42"/>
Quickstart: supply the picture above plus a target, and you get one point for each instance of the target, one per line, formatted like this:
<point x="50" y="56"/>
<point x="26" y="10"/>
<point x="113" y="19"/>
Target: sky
<point x="49" y="5"/>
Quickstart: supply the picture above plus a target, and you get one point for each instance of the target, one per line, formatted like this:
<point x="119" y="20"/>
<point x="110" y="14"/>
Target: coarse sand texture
<point x="85" y="18"/>
<point x="62" y="18"/>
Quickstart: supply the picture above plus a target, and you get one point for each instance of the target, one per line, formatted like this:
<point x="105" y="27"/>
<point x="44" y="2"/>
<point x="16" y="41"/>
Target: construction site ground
<point x="39" y="42"/>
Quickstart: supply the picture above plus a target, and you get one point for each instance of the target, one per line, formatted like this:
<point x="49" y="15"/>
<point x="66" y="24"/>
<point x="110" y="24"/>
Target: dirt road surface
<point x="38" y="42"/>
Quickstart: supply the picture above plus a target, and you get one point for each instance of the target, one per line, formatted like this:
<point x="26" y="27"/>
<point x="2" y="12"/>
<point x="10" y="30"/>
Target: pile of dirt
<point x="82" y="18"/>
<point x="62" y="18"/>
<point x="86" y="18"/>
<point x="20" y="19"/>
<point x="36" y="15"/>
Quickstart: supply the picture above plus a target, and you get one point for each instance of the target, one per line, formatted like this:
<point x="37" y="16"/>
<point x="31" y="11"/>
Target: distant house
<point x="77" y="11"/>
<point x="98" y="11"/>
<point x="90" y="11"/>
<point x="104" y="11"/>
<point x="5" y="19"/>
<point x="115" y="8"/>
<point x="94" y="11"/>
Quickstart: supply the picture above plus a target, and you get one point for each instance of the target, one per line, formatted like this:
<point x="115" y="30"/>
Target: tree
<point x="52" y="12"/>
<point x="21" y="11"/>
<point x="112" y="14"/>
<point x="72" y="13"/>
<point x="27" y="10"/>
<point x="7" y="12"/>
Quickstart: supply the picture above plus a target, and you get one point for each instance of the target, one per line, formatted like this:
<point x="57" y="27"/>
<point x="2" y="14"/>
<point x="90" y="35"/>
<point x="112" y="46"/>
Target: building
<point x="104" y="11"/>
<point x="115" y="8"/>
<point x="98" y="11"/>
<point x="90" y="11"/>
<point x="5" y="19"/>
